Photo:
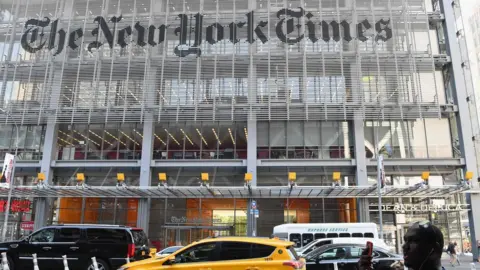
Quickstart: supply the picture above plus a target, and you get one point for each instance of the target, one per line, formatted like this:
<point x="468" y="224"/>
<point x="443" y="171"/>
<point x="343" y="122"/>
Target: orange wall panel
<point x="132" y="211"/>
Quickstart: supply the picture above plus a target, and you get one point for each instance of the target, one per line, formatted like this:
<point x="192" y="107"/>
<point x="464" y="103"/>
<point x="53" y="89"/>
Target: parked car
<point x="168" y="251"/>
<point x="110" y="244"/>
<point x="350" y="240"/>
<point x="346" y="257"/>
<point x="229" y="253"/>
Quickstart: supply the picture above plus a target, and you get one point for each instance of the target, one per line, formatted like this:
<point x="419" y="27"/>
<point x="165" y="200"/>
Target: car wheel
<point x="102" y="265"/>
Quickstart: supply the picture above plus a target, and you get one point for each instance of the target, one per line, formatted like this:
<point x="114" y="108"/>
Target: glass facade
<point x="231" y="87"/>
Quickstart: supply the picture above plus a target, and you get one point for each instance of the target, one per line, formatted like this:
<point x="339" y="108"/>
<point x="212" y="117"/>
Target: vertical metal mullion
<point x="392" y="23"/>
<point x="323" y="63"/>
<point x="269" y="67"/>
<point x="342" y="68"/>
<point x="233" y="64"/>
<point x="165" y="45"/>
<point x="180" y="70"/>
<point x="113" y="56"/>
<point x="286" y="71"/>
<point x="129" y="64"/>
<point x="215" y="84"/>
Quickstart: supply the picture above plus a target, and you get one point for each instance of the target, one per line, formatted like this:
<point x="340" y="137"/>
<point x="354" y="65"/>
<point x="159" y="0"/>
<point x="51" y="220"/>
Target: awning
<point x="230" y="192"/>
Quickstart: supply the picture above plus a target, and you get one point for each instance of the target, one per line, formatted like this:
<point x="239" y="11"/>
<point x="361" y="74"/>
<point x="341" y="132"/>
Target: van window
<point x="368" y="235"/>
<point x="139" y="238"/>
<point x="357" y="234"/>
<point x="68" y="235"/>
<point x="307" y="238"/>
<point x="332" y="235"/>
<point x="344" y="235"/>
<point x="320" y="236"/>
<point x="297" y="239"/>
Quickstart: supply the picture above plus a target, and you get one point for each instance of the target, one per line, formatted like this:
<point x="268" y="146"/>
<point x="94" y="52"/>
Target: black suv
<point x="110" y="244"/>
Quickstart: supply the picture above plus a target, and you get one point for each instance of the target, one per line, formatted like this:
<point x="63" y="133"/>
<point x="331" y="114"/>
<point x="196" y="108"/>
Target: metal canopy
<point x="230" y="192"/>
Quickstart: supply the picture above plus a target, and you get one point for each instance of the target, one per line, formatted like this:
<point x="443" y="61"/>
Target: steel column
<point x="457" y="82"/>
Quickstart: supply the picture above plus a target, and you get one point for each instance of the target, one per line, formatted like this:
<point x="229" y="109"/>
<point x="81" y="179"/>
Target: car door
<point x="68" y="242"/>
<point x="327" y="259"/>
<point x="203" y="256"/>
<point x="40" y="243"/>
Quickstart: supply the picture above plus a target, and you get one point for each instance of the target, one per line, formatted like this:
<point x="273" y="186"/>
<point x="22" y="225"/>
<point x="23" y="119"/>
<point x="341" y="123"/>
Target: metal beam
<point x="182" y="163"/>
<point x="94" y="163"/>
<point x="417" y="162"/>
<point x="306" y="163"/>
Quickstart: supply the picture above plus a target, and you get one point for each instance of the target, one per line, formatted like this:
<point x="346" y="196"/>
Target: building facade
<point x="176" y="89"/>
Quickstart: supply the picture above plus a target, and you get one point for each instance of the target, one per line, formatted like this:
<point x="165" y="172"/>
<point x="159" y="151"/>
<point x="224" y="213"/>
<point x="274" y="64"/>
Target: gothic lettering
<point x="74" y="36"/>
<point x="53" y="35"/>
<point x="210" y="36"/>
<point x="33" y="29"/>
<point x="384" y="32"/>
<point x="109" y="35"/>
<point x="141" y="34"/>
<point x="361" y="31"/>
<point x="290" y="25"/>
<point x="288" y="30"/>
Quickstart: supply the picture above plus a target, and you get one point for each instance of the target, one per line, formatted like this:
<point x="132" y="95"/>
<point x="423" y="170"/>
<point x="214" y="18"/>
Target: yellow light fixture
<point x="468" y="175"/>
<point x="425" y="175"/>
<point x="121" y="177"/>
<point x="41" y="177"/>
<point x="248" y="177"/>
<point x="80" y="177"/>
<point x="204" y="176"/>
<point x="162" y="177"/>
<point x="292" y="176"/>
<point x="336" y="176"/>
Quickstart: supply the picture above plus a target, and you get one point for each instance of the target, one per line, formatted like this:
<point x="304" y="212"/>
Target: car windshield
<point x="170" y="250"/>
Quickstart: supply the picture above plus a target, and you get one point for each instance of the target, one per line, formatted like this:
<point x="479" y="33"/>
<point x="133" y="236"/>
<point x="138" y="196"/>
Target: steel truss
<point x="41" y="191"/>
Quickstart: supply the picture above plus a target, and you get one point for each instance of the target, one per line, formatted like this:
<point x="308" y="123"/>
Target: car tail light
<point x="294" y="264"/>
<point x="131" y="250"/>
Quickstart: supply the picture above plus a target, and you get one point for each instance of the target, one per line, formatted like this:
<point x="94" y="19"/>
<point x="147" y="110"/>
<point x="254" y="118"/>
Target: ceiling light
<point x="115" y="138"/>
<point x="98" y="136"/>
<point x="86" y="138"/>
<point x="203" y="139"/>
<point x="139" y="134"/>
<point x="128" y="137"/>
<point x="216" y="136"/>
<point x="156" y="136"/>
<point x="68" y="136"/>
<point x="231" y="136"/>
<point x="246" y="133"/>
<point x="171" y="136"/>
<point x="186" y="136"/>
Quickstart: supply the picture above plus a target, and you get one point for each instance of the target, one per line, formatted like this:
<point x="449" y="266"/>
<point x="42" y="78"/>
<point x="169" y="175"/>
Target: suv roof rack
<point x="87" y="224"/>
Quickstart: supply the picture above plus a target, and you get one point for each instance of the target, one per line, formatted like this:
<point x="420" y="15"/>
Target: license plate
<point x="143" y="253"/>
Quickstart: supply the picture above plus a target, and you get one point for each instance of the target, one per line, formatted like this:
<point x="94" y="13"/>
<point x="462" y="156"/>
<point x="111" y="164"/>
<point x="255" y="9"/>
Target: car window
<point x="43" y="236"/>
<point x="106" y="236"/>
<point x="260" y="251"/>
<point x="68" y="235"/>
<point x="198" y="253"/>
<point x="139" y="238"/>
<point x="317" y="245"/>
<point x="235" y="251"/>
<point x="170" y="250"/>
<point x="335" y="254"/>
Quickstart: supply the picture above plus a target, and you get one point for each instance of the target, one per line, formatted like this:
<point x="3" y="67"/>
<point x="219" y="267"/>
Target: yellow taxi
<point x="227" y="253"/>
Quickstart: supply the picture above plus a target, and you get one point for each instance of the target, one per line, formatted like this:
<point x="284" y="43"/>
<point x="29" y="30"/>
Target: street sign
<point x="254" y="212"/>
<point x="254" y="205"/>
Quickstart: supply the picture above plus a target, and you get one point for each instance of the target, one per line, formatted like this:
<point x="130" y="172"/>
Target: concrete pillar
<point x="463" y="117"/>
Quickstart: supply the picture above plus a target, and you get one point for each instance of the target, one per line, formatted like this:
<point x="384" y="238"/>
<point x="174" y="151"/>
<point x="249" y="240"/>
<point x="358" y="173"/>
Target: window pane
<point x="198" y="253"/>
<point x="235" y="251"/>
<point x="43" y="236"/>
<point x="106" y="236"/>
<point x="307" y="238"/>
<point x="297" y="239"/>
<point x="68" y="235"/>
<point x="260" y="251"/>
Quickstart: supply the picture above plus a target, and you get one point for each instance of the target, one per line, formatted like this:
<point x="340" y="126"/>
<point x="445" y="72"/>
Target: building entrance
<point x="184" y="235"/>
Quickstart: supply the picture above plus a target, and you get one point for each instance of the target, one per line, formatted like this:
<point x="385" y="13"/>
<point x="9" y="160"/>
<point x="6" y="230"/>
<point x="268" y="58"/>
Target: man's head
<point x="423" y="246"/>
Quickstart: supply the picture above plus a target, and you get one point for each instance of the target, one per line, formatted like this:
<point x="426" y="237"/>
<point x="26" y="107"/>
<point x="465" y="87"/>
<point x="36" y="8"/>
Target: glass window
<point x="106" y="236"/>
<point x="320" y="236"/>
<point x="68" y="235"/>
<point x="198" y="253"/>
<point x="355" y="253"/>
<point x="297" y="239"/>
<point x="235" y="251"/>
<point x="139" y="237"/>
<point x="334" y="254"/>
<point x="344" y="235"/>
<point x="307" y="238"/>
<point x="260" y="251"/>
<point x="332" y="235"/>
<point x="357" y="234"/>
<point x="43" y="236"/>
<point x="368" y="235"/>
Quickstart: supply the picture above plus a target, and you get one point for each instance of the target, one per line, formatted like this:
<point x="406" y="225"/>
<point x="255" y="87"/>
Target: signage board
<point x="108" y="31"/>
<point x="254" y="205"/>
<point x="420" y="207"/>
<point x="7" y="169"/>
<point x="27" y="225"/>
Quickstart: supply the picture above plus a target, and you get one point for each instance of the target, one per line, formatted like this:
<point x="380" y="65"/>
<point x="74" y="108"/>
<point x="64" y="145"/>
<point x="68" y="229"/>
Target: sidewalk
<point x="465" y="262"/>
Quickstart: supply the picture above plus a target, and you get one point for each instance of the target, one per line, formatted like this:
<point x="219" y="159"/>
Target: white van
<point x="327" y="241"/>
<point x="303" y="234"/>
